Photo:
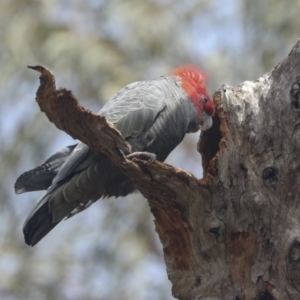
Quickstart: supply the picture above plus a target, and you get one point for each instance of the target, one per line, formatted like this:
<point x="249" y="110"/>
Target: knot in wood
<point x="265" y="296"/>
<point x="293" y="264"/>
<point x="294" y="253"/>
<point x="198" y="281"/>
<point x="215" y="231"/>
<point x="269" y="175"/>
<point x="244" y="168"/>
<point x="295" y="92"/>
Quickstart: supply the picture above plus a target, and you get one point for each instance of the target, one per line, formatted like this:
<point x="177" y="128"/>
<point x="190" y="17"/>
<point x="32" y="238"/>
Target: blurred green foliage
<point x="111" y="251"/>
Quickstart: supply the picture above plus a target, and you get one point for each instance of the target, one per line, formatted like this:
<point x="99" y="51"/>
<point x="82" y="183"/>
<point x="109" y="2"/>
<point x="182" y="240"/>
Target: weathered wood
<point x="235" y="234"/>
<point x="255" y="189"/>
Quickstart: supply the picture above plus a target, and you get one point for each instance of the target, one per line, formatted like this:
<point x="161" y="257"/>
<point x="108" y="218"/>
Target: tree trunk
<point x="235" y="234"/>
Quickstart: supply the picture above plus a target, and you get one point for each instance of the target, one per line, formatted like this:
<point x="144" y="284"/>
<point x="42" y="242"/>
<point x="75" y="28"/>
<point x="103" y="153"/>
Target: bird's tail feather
<point x="40" y="222"/>
<point x="64" y="199"/>
<point x="41" y="177"/>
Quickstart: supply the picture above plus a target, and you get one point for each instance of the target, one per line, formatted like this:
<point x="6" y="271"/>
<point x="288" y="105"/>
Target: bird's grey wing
<point x="40" y="178"/>
<point x="133" y="110"/>
<point x="78" y="160"/>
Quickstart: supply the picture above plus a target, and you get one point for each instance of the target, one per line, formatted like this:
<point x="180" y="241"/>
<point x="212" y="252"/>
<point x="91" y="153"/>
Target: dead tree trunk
<point x="235" y="234"/>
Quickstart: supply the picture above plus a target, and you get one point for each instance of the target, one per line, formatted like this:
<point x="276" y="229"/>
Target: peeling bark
<point x="235" y="234"/>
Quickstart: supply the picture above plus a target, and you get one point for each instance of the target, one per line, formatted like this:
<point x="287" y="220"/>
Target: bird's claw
<point x="143" y="156"/>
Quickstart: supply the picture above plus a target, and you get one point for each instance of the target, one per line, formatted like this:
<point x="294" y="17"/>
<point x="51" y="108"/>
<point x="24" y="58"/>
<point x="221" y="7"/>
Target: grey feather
<point x="133" y="110"/>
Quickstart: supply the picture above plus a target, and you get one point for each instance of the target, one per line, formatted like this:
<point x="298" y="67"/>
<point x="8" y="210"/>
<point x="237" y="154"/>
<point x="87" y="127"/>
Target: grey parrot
<point x="152" y="115"/>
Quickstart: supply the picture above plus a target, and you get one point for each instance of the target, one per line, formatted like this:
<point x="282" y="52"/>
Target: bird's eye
<point x="205" y="100"/>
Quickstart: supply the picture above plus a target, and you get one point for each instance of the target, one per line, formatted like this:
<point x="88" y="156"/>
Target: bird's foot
<point x="143" y="156"/>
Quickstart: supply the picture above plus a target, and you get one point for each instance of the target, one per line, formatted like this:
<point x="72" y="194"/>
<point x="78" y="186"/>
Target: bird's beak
<point x="205" y="122"/>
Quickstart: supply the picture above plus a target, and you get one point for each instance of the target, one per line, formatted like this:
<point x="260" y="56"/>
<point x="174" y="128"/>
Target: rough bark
<point x="235" y="234"/>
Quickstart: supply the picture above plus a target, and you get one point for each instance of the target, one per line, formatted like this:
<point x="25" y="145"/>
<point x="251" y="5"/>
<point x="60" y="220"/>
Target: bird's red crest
<point x="191" y="73"/>
<point x="194" y="81"/>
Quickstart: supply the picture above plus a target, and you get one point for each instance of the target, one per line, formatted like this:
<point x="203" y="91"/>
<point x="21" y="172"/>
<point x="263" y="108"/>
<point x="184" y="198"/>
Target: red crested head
<point x="194" y="81"/>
